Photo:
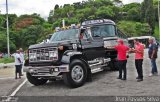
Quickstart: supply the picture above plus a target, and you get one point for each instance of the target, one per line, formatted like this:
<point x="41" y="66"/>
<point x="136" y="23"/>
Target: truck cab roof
<point x="98" y="22"/>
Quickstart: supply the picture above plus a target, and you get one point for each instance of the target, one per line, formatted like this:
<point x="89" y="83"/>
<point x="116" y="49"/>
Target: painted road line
<point x="18" y="88"/>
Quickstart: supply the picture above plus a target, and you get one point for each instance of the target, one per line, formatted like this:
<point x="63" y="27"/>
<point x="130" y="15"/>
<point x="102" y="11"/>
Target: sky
<point x="41" y="7"/>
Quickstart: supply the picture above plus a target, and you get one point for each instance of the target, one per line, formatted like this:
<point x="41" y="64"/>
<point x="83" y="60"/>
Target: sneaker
<point x="156" y="74"/>
<point x="150" y="75"/>
<point x="119" y="78"/>
<point x="123" y="79"/>
<point x="21" y="75"/>
<point x="139" y="80"/>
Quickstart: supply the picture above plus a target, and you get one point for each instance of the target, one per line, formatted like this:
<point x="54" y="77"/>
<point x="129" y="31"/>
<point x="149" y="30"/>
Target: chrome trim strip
<point x="61" y="68"/>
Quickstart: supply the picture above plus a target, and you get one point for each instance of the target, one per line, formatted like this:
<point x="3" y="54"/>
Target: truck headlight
<point x="53" y="54"/>
<point x="32" y="55"/>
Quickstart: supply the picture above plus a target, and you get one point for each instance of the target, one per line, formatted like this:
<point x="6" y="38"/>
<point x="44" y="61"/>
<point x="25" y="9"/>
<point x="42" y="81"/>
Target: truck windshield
<point x="65" y="35"/>
<point x="103" y="30"/>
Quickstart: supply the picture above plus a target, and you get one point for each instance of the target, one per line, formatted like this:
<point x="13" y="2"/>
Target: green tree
<point x="105" y="12"/>
<point x="56" y="6"/>
<point x="134" y="14"/>
<point x="2" y="23"/>
<point x="30" y="35"/>
<point x="118" y="3"/>
<point x="132" y="11"/>
<point x="3" y="44"/>
<point x="132" y="28"/>
<point x="155" y="4"/>
<point x="147" y="13"/>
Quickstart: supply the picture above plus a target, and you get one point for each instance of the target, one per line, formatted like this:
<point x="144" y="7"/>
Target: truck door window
<point x="84" y="35"/>
<point x="103" y="30"/>
<point x="120" y="34"/>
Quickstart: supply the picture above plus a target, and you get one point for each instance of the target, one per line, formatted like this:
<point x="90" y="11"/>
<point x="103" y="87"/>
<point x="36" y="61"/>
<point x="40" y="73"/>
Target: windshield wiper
<point x="96" y="36"/>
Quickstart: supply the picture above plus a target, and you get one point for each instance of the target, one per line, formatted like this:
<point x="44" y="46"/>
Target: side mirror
<point x="46" y="41"/>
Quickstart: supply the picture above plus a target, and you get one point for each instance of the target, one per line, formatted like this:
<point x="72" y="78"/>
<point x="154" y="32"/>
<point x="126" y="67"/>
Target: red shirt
<point x="139" y="47"/>
<point x="122" y="50"/>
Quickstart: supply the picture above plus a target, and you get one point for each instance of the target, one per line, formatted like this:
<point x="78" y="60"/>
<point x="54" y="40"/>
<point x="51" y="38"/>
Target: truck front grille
<point x="42" y="54"/>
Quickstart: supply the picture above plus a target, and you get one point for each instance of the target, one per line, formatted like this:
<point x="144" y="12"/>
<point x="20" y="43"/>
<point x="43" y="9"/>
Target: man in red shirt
<point x="122" y="59"/>
<point x="139" y="53"/>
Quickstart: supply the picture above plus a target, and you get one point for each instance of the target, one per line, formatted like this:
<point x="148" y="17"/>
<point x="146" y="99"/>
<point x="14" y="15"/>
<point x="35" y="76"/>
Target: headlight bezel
<point x="32" y="56"/>
<point x="53" y="55"/>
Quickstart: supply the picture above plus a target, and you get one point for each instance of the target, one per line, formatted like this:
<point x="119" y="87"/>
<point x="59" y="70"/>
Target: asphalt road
<point x="103" y="84"/>
<point x="7" y="82"/>
<point x="8" y="85"/>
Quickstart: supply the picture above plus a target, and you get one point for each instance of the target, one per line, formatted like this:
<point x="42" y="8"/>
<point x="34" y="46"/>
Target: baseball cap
<point x="120" y="41"/>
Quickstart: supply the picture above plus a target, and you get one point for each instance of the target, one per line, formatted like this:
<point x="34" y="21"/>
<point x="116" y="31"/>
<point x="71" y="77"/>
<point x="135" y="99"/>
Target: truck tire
<point x="35" y="81"/>
<point x="77" y="75"/>
<point x="113" y="65"/>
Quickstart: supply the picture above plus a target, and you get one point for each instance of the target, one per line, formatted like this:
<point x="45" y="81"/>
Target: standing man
<point x="22" y="59"/>
<point x="122" y="59"/>
<point x="17" y="64"/>
<point x="139" y="53"/>
<point x="152" y="52"/>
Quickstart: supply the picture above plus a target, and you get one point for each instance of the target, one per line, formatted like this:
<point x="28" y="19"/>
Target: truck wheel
<point x="35" y="81"/>
<point x="77" y="75"/>
<point x="113" y="65"/>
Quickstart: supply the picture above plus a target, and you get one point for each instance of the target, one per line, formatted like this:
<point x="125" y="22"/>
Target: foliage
<point x="156" y="32"/>
<point x="148" y="13"/>
<point x="6" y="60"/>
<point x="30" y="35"/>
<point x="24" y="31"/>
<point x="133" y="11"/>
<point x="133" y="28"/>
<point x="3" y="44"/>
<point x="134" y="19"/>
<point x="110" y="9"/>
<point x="105" y="12"/>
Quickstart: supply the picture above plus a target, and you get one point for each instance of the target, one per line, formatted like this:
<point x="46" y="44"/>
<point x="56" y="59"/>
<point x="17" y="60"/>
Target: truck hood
<point x="110" y="38"/>
<point x="53" y="44"/>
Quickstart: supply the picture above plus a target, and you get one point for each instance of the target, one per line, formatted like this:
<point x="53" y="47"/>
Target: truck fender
<point x="67" y="56"/>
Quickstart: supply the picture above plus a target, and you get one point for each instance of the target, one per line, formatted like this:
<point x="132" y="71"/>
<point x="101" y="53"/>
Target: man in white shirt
<point x="17" y="64"/>
<point x="22" y="59"/>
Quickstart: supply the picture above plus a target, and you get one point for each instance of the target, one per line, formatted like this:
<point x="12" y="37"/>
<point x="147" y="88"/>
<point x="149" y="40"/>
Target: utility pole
<point x="7" y="24"/>
<point x="63" y="23"/>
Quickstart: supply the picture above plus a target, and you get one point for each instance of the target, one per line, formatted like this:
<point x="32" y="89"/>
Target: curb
<point x="8" y="65"/>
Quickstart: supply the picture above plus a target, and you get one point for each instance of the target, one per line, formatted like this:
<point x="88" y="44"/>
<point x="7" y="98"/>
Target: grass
<point x="6" y="60"/>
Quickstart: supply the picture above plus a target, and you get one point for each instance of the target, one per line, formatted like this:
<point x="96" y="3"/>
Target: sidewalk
<point x="7" y="73"/>
<point x="7" y="79"/>
<point x="8" y="65"/>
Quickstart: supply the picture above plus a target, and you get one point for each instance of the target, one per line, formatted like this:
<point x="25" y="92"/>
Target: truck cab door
<point x="92" y="48"/>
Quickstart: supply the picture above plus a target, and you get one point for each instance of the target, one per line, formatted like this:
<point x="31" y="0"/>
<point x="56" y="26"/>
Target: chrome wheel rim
<point x="77" y="73"/>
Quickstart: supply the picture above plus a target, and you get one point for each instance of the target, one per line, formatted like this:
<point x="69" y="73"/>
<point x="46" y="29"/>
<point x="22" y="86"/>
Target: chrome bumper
<point x="46" y="71"/>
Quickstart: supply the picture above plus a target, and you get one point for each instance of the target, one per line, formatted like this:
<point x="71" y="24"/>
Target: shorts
<point x="18" y="68"/>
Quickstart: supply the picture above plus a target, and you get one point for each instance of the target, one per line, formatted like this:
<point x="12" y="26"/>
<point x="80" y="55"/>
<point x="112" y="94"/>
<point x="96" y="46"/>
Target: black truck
<point x="74" y="54"/>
